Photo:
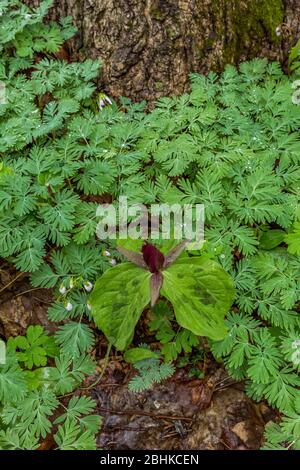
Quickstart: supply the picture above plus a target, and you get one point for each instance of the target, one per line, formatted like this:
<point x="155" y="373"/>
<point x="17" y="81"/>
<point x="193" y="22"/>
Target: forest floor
<point x="181" y="413"/>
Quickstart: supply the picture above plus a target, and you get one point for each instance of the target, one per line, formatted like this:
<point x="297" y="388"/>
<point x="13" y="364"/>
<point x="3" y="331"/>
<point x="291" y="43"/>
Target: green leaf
<point x="118" y="300"/>
<point x="16" y="439"/>
<point x="138" y="354"/>
<point x="201" y="293"/>
<point x="77" y="408"/>
<point x="293" y="240"/>
<point x="36" y="410"/>
<point x="12" y="383"/>
<point x="265" y="358"/>
<point x="271" y="239"/>
<point x="71" y="437"/>
<point x="131" y="244"/>
<point x="74" y="338"/>
<point x="34" y="347"/>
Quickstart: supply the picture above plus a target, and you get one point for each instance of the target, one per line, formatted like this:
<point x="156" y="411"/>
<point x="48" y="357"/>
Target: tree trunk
<point x="149" y="47"/>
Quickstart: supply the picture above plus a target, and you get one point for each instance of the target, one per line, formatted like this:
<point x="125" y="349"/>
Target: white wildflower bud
<point x="106" y="253"/>
<point x="69" y="307"/>
<point x="296" y="357"/>
<point x="71" y="283"/>
<point x="88" y="286"/>
<point x="62" y="290"/>
<point x="278" y="31"/>
<point x="88" y="306"/>
<point x="103" y="100"/>
<point x="113" y="262"/>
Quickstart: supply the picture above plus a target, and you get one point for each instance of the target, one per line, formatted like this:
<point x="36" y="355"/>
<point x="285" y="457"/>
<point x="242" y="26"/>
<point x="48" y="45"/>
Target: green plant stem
<point x="103" y="371"/>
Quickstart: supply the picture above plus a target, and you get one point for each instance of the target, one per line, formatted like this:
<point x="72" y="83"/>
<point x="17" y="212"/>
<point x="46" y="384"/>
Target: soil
<point x="182" y="413"/>
<point x="20" y="304"/>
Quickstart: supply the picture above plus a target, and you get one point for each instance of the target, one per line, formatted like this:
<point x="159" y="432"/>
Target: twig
<point x="29" y="290"/>
<point x="171" y="434"/>
<point x="11" y="282"/>
<point x="226" y="445"/>
<point x="222" y="381"/>
<point x="124" y="428"/>
<point x="104" y="369"/>
<point x="230" y="384"/>
<point x="99" y="378"/>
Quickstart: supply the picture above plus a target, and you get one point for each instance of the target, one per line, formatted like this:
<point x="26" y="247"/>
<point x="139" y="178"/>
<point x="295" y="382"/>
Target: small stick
<point x="11" y="282"/>
<point x="29" y="290"/>
<point x="143" y="413"/>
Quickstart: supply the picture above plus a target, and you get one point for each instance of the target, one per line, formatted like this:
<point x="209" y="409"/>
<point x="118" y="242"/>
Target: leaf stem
<point x="103" y="371"/>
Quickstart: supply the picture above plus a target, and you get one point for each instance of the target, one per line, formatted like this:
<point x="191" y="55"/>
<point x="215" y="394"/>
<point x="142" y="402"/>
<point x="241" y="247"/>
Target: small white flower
<point x="69" y="307"/>
<point x="222" y="256"/>
<point x="113" y="262"/>
<point x="88" y="306"/>
<point x="278" y="31"/>
<point x="103" y="100"/>
<point x="88" y="286"/>
<point x="296" y="357"/>
<point x="101" y="103"/>
<point x="106" y="253"/>
<point x="62" y="290"/>
<point x="71" y="283"/>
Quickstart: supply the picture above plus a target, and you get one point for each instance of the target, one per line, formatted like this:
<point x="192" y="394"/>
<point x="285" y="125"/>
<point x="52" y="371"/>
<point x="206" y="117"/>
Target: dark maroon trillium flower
<point x="154" y="261"/>
<point x="153" y="258"/>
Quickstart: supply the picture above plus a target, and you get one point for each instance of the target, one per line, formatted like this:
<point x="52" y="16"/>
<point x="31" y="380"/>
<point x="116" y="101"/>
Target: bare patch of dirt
<point x="20" y="304"/>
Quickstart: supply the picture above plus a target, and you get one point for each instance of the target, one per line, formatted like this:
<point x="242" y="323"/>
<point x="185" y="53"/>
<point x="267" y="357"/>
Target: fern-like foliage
<point x="150" y="371"/>
<point x="232" y="143"/>
<point x="30" y="398"/>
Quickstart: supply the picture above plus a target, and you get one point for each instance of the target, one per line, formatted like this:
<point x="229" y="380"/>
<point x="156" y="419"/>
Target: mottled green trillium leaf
<point x="118" y="300"/>
<point x="201" y="293"/>
<point x="130" y="244"/>
<point x="139" y="354"/>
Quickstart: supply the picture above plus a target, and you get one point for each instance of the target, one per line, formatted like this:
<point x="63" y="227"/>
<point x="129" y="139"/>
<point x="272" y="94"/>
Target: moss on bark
<point x="247" y="22"/>
<point x="143" y="43"/>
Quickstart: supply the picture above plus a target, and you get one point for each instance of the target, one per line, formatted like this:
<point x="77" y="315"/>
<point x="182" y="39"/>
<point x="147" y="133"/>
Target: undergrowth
<point x="231" y="144"/>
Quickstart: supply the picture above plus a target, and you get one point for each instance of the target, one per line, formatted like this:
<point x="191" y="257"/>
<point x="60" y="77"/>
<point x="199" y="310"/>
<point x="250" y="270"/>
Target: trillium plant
<point x="198" y="288"/>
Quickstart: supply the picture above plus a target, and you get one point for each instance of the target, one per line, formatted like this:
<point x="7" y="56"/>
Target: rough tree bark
<point x="149" y="47"/>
